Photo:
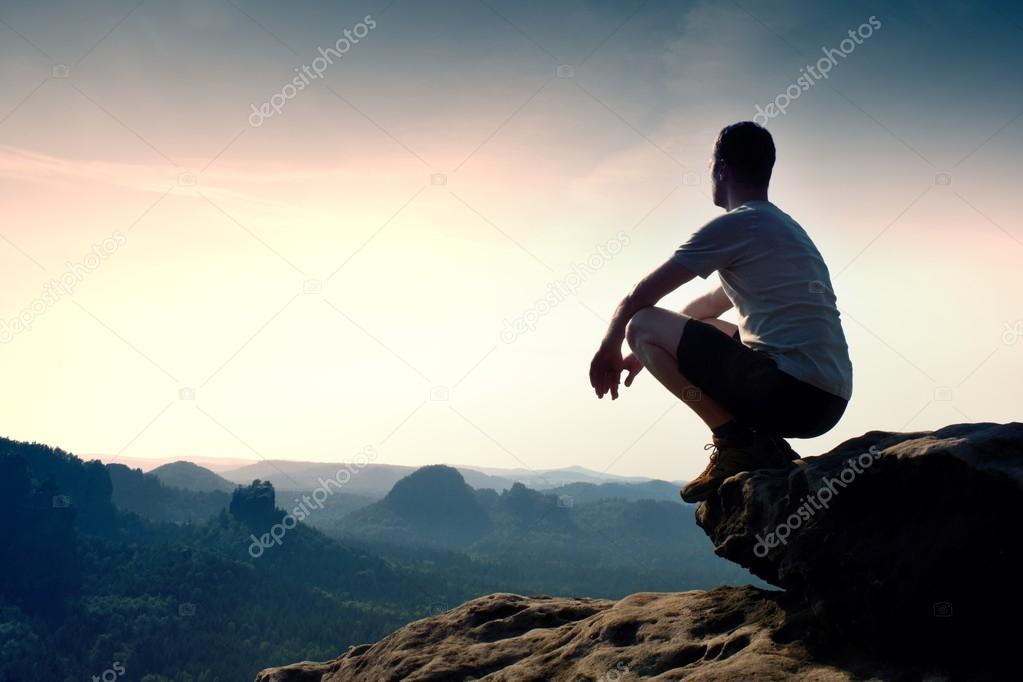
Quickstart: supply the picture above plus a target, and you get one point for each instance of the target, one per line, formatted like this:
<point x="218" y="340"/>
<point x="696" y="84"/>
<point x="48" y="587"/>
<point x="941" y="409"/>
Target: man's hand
<point x="607" y="365"/>
<point x="605" y="370"/>
<point x="633" y="366"/>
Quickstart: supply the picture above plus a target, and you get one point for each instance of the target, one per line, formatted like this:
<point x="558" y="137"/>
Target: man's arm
<point x="606" y="367"/>
<point x="709" y="306"/>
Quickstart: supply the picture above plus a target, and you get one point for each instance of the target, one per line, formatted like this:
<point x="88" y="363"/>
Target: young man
<point x="784" y="370"/>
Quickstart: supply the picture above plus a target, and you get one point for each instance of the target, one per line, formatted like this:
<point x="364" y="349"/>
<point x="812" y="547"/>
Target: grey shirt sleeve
<point x="715" y="246"/>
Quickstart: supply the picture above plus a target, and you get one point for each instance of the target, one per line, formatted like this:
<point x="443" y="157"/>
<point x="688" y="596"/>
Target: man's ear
<point x="720" y="172"/>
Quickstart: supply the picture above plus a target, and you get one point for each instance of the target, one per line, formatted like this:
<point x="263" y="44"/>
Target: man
<point x="784" y="370"/>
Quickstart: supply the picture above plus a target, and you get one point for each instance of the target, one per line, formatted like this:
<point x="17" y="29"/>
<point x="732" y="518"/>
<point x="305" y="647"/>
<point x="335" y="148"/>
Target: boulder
<point x="910" y="539"/>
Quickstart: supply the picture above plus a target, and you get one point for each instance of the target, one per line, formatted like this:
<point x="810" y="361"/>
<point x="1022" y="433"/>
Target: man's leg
<point x="653" y="334"/>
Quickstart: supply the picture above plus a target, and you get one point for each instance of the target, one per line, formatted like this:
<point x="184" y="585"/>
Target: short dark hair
<point x="748" y="149"/>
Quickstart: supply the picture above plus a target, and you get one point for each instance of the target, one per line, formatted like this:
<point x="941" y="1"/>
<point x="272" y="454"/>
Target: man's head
<point x="742" y="161"/>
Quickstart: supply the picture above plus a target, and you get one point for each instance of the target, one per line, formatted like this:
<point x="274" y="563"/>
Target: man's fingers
<point x="629" y="377"/>
<point x="595" y="379"/>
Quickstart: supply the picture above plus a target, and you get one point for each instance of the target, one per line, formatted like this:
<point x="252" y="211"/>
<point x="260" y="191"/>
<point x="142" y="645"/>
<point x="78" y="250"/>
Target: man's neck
<point x="737" y="196"/>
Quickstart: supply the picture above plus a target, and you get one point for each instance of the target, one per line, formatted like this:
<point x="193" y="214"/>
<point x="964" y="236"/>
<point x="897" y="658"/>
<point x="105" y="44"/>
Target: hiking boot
<point x="725" y="461"/>
<point x="763" y="452"/>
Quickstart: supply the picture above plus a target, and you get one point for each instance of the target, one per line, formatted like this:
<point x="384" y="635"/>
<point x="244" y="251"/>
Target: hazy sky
<point x="343" y="271"/>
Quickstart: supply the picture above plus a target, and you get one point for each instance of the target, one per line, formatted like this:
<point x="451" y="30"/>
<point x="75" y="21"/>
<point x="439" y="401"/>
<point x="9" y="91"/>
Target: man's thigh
<point x="656" y="326"/>
<point x="750" y="386"/>
<point x="737" y="377"/>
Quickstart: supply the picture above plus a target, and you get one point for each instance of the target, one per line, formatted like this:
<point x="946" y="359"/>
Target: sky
<point x="419" y="248"/>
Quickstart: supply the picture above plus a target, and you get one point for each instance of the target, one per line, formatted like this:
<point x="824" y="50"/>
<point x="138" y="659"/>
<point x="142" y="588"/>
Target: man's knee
<point x="634" y="329"/>
<point x="652" y="326"/>
<point x="637" y="331"/>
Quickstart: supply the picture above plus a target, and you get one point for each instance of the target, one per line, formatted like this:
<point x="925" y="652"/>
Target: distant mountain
<point x="149" y="497"/>
<point x="541" y="479"/>
<point x="189" y="476"/>
<point x="431" y="506"/>
<point x="379" y="478"/>
<point x="85" y="587"/>
<point x="182" y="492"/>
<point x="601" y="540"/>
<point x="375" y="480"/>
<point x="147" y="464"/>
<point x="583" y="493"/>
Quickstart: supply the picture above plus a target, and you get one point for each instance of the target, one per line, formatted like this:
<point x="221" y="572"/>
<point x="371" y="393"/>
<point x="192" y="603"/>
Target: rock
<point x="724" y="634"/>
<point x="905" y="569"/>
<point x="909" y="538"/>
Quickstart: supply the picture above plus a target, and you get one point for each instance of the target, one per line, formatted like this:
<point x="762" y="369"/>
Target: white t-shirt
<point x="781" y="289"/>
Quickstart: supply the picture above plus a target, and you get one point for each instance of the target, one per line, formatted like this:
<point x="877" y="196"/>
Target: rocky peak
<point x="898" y="555"/>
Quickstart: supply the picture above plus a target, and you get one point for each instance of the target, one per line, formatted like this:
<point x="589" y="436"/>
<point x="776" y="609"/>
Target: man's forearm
<point x="620" y="319"/>
<point x="697" y="309"/>
<point x="651" y="289"/>
<point x="708" y="306"/>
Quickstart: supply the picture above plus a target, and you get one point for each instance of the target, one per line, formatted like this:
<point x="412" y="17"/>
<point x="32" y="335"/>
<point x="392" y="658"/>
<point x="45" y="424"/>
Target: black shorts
<point x="749" y="384"/>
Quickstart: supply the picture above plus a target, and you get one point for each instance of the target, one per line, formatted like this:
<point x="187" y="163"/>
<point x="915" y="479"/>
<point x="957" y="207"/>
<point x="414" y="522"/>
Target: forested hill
<point x="190" y="476"/>
<point x="92" y="586"/>
<point x="112" y="566"/>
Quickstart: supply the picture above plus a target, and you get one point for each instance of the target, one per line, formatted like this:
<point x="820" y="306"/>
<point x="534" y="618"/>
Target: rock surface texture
<point x="724" y="634"/>
<point x="912" y="539"/>
<point x="899" y="556"/>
